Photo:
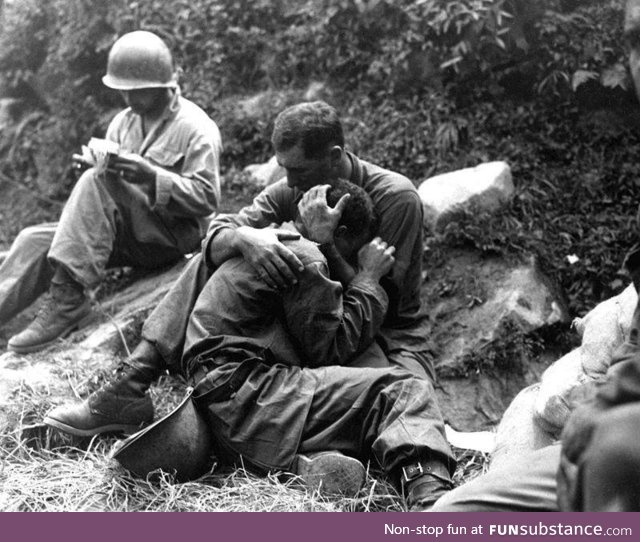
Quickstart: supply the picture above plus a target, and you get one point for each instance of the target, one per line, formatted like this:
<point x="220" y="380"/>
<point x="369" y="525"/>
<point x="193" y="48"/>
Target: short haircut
<point x="315" y="124"/>
<point x="359" y="214"/>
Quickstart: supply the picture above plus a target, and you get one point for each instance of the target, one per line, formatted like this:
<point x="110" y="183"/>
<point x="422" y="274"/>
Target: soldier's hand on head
<point x="132" y="168"/>
<point x="320" y="220"/>
<point x="274" y="263"/>
<point x="375" y="259"/>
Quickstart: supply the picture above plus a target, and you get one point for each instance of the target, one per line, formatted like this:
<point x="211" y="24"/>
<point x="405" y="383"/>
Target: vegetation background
<point x="423" y="86"/>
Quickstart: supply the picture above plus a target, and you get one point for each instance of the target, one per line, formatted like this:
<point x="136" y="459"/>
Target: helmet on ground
<point x="139" y="59"/>
<point x="180" y="443"/>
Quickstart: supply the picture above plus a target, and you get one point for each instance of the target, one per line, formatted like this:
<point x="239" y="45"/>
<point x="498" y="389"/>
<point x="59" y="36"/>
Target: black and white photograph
<point x="322" y="256"/>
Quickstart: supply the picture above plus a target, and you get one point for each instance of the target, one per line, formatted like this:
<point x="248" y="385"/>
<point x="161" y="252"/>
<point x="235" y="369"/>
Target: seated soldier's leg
<point x="123" y="403"/>
<point x="527" y="485"/>
<point x="388" y="414"/>
<point x="609" y="471"/>
<point x="25" y="272"/>
<point x="105" y="221"/>
<point x="417" y="362"/>
<point x="166" y="326"/>
<point x="79" y="250"/>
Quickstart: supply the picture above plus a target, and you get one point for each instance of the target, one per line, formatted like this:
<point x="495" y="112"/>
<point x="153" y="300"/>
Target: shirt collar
<point x="357" y="173"/>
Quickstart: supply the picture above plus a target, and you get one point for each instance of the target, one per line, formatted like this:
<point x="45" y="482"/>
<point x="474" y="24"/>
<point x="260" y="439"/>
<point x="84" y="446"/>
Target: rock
<point x="72" y="366"/>
<point x="317" y="90"/>
<point x="480" y="306"/>
<point x="17" y="372"/>
<point x="263" y="175"/>
<point x="570" y="380"/>
<point x="487" y="187"/>
<point x="124" y="313"/>
<point x="11" y="109"/>
<point x="472" y="299"/>
<point x="267" y="104"/>
<point x="479" y="400"/>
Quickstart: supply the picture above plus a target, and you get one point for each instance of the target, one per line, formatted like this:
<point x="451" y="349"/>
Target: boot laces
<point x="46" y="309"/>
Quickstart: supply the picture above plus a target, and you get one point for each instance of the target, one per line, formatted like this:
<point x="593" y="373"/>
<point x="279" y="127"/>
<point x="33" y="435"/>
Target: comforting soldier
<point x="151" y="206"/>
<point x="309" y="144"/>
<point x="273" y="381"/>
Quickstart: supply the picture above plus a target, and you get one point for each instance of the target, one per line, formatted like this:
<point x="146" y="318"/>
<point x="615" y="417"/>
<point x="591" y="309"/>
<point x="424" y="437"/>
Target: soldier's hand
<point x="320" y="220"/>
<point x="132" y="168"/>
<point x="273" y="262"/>
<point x="375" y="259"/>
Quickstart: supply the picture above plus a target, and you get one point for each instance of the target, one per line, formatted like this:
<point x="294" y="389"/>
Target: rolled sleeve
<point x="164" y="184"/>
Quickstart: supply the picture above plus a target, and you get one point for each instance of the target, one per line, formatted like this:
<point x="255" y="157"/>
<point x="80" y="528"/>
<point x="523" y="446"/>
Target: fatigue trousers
<point x="606" y="478"/>
<point x="105" y="222"/>
<point x="525" y="484"/>
<point x="262" y="415"/>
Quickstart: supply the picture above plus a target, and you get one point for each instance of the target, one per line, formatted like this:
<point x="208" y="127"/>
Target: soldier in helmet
<point x="149" y="207"/>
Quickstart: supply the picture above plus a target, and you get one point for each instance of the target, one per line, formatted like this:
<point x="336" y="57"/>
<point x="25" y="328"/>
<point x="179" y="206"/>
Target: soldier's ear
<point x="335" y="155"/>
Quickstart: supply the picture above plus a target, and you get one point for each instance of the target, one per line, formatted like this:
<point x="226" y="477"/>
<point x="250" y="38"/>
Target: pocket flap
<point x="162" y="156"/>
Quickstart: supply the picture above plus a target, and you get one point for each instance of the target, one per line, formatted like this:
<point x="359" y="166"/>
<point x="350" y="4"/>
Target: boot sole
<point x="127" y="429"/>
<point x="41" y="346"/>
<point x="331" y="473"/>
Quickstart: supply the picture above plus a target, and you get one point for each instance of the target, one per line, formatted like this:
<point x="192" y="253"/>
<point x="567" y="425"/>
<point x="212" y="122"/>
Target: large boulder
<point x="487" y="187"/>
<point x="481" y="310"/>
<point x="472" y="298"/>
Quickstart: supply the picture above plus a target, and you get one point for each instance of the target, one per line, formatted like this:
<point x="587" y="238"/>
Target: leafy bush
<point x="424" y="86"/>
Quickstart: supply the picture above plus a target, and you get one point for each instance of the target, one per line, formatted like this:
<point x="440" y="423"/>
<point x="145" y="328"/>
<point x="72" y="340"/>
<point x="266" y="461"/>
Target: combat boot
<point x="65" y="309"/>
<point x="423" y="483"/>
<point x="121" y="405"/>
<point x="331" y="473"/>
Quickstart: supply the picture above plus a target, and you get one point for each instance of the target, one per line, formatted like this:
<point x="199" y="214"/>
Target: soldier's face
<point x="632" y="38"/>
<point x="145" y="101"/>
<point x="302" y="172"/>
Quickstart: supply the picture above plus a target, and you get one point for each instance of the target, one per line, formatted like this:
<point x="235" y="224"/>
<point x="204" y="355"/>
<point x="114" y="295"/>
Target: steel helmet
<point x="180" y="443"/>
<point x="139" y="59"/>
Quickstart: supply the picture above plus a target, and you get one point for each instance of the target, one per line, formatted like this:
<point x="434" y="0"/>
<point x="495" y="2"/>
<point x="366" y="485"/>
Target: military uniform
<point x="108" y="221"/>
<point x="268" y="376"/>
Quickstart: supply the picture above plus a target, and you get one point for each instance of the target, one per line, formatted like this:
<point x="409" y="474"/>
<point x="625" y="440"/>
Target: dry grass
<point x="85" y="479"/>
<point x="44" y="470"/>
<point x="82" y="478"/>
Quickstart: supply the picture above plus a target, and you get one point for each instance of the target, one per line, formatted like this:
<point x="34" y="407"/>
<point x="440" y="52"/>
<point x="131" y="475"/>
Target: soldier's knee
<point x="32" y="237"/>
<point x="89" y="177"/>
